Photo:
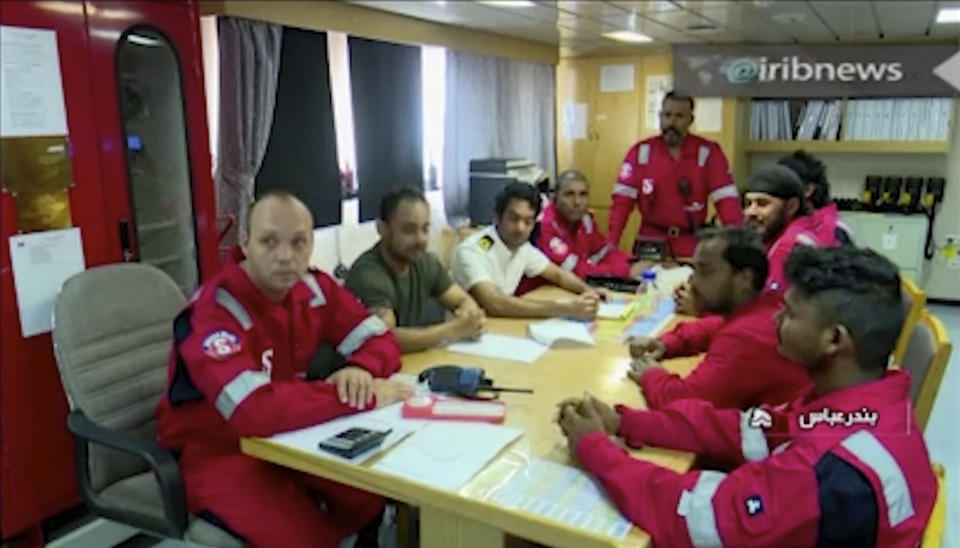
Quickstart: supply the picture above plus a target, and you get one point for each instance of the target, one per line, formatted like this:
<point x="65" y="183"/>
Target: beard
<point x="672" y="136"/>
<point x="771" y="232"/>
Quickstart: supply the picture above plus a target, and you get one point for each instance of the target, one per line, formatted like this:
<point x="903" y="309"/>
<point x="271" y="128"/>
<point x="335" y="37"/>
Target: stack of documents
<point x="565" y="494"/>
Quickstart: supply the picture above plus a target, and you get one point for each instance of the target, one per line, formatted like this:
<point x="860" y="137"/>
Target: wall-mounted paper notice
<point x="574" y="120"/>
<point x="616" y="78"/>
<point x="708" y="116"/>
<point x="41" y="262"/>
<point x="31" y="91"/>
<point x="657" y="86"/>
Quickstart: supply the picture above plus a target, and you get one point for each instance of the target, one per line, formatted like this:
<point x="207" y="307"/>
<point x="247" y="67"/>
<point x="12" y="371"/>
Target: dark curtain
<point x="302" y="151"/>
<point x="387" y="118"/>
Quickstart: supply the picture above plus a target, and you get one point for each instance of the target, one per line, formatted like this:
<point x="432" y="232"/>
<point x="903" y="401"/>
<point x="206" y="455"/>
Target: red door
<point x="147" y="73"/>
<point x="141" y="190"/>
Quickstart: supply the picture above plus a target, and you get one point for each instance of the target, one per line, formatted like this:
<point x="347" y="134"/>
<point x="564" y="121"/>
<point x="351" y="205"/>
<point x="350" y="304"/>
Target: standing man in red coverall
<point x="741" y="368"/>
<point x="843" y="464"/>
<point x="570" y="237"/>
<point x="669" y="179"/>
<point x="237" y="367"/>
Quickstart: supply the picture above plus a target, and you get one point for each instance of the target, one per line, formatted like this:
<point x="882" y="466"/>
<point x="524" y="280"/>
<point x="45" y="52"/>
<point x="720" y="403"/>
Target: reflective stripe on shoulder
<point x="726" y="191"/>
<point x="233" y="306"/>
<point x="643" y="154"/>
<point x="625" y="190"/>
<point x="368" y="328"/>
<point x="703" y="154"/>
<point x="587" y="223"/>
<point x="599" y="255"/>
<point x="806" y="239"/>
<point x="753" y="442"/>
<point x="239" y="389"/>
<point x="318" y="298"/>
<point x="696" y="507"/>
<point x="896" y="492"/>
<point x="570" y="262"/>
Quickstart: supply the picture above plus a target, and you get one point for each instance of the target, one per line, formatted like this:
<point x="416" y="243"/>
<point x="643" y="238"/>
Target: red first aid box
<point x="454" y="409"/>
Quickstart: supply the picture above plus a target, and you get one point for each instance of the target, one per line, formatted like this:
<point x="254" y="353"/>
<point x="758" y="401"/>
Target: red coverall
<point x="816" y="229"/>
<point x="836" y="484"/>
<point x="236" y="369"/>
<point x="651" y="180"/>
<point x="580" y="248"/>
<point x="741" y="368"/>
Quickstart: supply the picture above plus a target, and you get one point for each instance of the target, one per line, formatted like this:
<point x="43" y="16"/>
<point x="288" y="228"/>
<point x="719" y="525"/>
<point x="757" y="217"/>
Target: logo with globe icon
<point x="743" y="70"/>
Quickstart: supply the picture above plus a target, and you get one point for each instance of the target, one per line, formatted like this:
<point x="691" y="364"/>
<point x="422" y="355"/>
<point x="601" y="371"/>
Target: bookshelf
<point x="850" y="147"/>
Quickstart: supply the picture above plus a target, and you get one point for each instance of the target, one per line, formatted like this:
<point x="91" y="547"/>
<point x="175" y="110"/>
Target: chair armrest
<point x="161" y="462"/>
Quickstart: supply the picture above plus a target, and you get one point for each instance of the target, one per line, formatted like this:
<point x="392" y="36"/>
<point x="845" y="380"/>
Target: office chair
<point x="926" y="359"/>
<point x="112" y="330"/>
<point x="914" y="299"/>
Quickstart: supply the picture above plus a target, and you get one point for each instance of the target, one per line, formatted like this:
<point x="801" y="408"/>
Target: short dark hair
<point x="569" y="176"/>
<point x="811" y="171"/>
<point x="743" y="250"/>
<point x="276" y="193"/>
<point x="854" y="287"/>
<point x="672" y="95"/>
<point x="517" y="191"/>
<point x="390" y="202"/>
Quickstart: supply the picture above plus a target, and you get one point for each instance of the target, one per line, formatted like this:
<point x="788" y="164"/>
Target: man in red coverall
<point x="827" y="225"/>
<point x="669" y="179"/>
<point x="843" y="464"/>
<point x="741" y="368"/>
<point x="242" y="346"/>
<point x="570" y="237"/>
<point x="776" y="209"/>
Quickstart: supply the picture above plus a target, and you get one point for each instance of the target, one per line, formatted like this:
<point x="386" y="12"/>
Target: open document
<point x="503" y="347"/>
<point x="385" y="418"/>
<point x="562" y="493"/>
<point x="556" y="330"/>
<point x="447" y="454"/>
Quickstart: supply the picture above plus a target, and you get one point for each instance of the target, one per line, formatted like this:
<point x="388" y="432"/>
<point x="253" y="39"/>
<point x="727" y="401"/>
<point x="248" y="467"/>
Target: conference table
<point x="467" y="517"/>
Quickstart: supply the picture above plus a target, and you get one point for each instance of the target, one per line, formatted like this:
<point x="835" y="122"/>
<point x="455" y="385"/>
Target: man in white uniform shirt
<point x="490" y="263"/>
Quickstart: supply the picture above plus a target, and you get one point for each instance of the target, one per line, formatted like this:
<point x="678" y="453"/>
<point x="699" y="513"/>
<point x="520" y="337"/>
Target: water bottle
<point x="649" y="286"/>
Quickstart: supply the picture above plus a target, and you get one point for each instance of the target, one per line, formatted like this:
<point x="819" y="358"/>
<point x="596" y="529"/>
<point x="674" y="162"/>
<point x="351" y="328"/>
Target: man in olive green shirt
<point x="397" y="277"/>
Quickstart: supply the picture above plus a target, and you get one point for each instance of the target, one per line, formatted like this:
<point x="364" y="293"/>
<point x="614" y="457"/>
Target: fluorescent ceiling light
<point x="509" y="3"/>
<point x="142" y="40"/>
<point x="948" y="15"/>
<point x="628" y="36"/>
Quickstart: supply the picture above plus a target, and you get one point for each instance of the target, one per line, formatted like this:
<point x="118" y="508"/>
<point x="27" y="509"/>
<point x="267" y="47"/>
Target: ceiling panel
<point x="651" y="6"/>
<point x="851" y="20"/>
<point x="577" y="25"/>
<point x="903" y="19"/>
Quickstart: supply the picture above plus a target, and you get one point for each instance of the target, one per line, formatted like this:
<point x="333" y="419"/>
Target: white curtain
<point x="249" y="65"/>
<point x="496" y="107"/>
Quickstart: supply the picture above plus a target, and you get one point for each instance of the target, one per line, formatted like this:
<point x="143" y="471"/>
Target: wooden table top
<point x="559" y="373"/>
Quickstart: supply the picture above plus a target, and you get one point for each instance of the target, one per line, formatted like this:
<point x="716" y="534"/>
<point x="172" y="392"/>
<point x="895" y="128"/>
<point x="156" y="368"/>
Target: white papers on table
<point x="504" y="347"/>
<point x="550" y="331"/>
<point x="447" y="454"/>
<point x="564" y="494"/>
<point x="41" y="262"/>
<point x="384" y="418"/>
<point x="614" y="310"/>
